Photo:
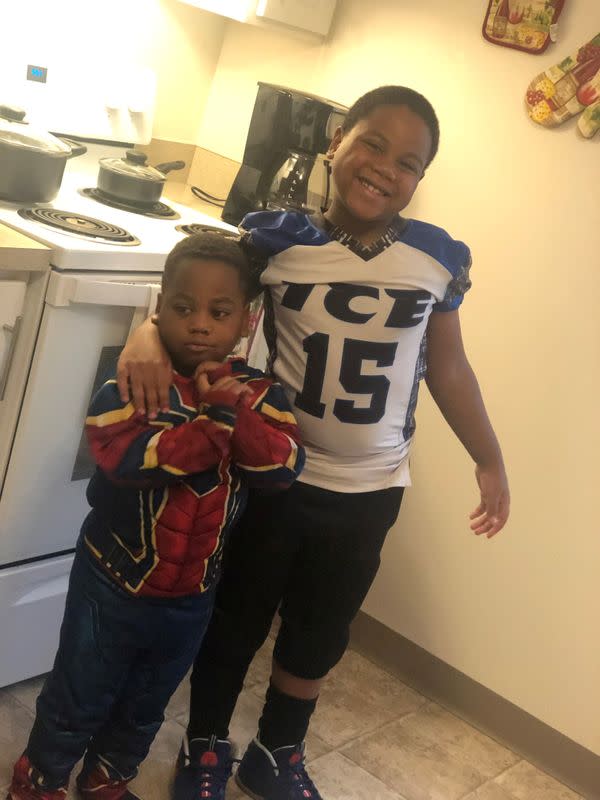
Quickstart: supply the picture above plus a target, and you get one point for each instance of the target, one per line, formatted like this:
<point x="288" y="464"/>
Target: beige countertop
<point x="18" y="252"/>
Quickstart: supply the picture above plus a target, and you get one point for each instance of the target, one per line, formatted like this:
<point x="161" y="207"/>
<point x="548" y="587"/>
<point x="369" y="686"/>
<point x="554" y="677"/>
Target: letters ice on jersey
<point x="405" y="308"/>
<point x="408" y="309"/>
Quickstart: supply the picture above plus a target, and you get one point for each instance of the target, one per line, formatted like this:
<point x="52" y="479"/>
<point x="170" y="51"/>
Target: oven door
<point x="86" y="320"/>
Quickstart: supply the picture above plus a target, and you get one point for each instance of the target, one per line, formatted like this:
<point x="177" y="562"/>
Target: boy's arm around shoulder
<point x="266" y="443"/>
<point x="133" y="450"/>
<point x="455" y="389"/>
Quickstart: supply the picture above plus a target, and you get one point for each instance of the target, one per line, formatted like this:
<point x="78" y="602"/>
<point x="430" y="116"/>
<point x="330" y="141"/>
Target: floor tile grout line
<point x="399" y="718"/>
<point x="503" y="772"/>
<point x="17" y="700"/>
<point x="368" y="771"/>
<point x="369" y="732"/>
<point x="340" y="748"/>
<point x="492" y="780"/>
<point x="520" y="760"/>
<point x="350" y="742"/>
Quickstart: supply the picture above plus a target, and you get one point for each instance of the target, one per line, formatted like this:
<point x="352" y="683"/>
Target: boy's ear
<point x="335" y="142"/>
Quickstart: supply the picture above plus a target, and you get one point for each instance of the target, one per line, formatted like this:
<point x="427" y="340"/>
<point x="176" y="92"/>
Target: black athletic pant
<point x="313" y="553"/>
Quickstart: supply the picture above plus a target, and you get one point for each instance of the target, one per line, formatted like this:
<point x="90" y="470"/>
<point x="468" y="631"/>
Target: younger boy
<point x="164" y="497"/>
<point x="362" y="305"/>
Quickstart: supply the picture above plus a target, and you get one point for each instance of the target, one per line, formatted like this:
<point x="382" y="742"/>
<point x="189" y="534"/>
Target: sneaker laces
<point x="211" y="773"/>
<point x="302" y="783"/>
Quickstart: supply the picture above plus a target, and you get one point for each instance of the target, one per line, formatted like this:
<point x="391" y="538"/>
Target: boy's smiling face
<point x="376" y="168"/>
<point x="202" y="313"/>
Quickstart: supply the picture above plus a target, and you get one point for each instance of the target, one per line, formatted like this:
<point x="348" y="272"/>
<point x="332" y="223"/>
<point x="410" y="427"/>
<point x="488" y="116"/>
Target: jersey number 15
<point x="351" y="378"/>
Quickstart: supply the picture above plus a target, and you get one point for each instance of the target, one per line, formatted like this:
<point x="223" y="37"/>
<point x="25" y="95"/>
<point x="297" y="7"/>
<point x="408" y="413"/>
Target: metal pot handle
<point x="170" y="166"/>
<point x="77" y="149"/>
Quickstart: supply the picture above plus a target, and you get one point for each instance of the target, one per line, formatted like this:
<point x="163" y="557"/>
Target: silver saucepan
<point x="131" y="180"/>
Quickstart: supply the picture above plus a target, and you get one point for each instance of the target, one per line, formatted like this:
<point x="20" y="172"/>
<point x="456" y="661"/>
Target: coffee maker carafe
<point x="283" y="165"/>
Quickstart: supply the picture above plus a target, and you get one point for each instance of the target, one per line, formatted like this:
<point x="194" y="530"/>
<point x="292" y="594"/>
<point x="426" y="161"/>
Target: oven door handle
<point x="66" y="289"/>
<point x="14" y="335"/>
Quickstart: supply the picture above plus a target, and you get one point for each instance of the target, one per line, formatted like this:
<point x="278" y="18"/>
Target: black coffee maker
<point x="283" y="166"/>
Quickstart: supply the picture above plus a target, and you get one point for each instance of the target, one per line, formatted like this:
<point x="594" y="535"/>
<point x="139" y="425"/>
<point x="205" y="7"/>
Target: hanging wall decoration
<point x="569" y="88"/>
<point x="528" y="25"/>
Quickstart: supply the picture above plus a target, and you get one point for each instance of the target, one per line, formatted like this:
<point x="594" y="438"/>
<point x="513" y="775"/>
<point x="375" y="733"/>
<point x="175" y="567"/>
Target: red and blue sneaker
<point x="203" y="768"/>
<point x="28" y="784"/>
<point x="97" y="783"/>
<point x="277" y="775"/>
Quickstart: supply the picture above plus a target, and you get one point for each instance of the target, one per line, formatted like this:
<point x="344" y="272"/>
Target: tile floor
<point x="372" y="738"/>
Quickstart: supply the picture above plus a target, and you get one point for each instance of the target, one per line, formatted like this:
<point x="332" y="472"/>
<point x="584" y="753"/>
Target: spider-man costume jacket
<point x="167" y="491"/>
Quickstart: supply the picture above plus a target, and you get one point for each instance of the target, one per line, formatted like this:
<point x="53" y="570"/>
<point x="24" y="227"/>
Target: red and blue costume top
<point x="167" y="491"/>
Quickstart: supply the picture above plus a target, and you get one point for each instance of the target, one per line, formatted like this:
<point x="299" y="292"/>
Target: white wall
<point x="519" y="613"/>
<point x="179" y="43"/>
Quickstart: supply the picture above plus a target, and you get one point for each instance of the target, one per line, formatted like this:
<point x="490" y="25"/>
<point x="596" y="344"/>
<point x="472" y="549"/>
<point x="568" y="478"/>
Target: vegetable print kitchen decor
<point x="567" y="89"/>
<point x="527" y="25"/>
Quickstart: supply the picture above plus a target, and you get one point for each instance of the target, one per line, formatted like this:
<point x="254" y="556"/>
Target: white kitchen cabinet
<point x="308" y="15"/>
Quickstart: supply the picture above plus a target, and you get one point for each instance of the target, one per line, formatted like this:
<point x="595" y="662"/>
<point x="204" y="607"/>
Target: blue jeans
<point x="119" y="660"/>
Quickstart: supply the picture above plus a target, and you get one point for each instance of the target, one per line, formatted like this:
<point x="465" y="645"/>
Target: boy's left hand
<point x="491" y="514"/>
<point x="209" y="380"/>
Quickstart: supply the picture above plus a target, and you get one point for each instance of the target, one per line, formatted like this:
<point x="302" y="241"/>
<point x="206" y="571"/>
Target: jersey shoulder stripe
<point x="272" y="232"/>
<point x="451" y="253"/>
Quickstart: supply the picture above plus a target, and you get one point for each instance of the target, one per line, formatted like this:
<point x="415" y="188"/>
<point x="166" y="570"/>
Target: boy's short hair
<point x="396" y="96"/>
<point x="224" y="247"/>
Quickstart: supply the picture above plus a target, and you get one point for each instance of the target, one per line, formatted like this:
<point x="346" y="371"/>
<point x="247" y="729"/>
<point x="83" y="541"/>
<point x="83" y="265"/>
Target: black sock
<point x="284" y="720"/>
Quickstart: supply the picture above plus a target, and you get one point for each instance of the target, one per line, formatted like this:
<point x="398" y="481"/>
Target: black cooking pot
<point x="32" y="162"/>
<point x="131" y="180"/>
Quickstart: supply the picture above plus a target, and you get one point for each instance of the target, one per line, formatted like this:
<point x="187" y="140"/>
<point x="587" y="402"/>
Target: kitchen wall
<point x="519" y="613"/>
<point x="179" y="43"/>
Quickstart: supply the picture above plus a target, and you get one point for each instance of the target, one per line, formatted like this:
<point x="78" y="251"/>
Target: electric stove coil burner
<point x="74" y="224"/>
<point x="198" y="227"/>
<point x="157" y="210"/>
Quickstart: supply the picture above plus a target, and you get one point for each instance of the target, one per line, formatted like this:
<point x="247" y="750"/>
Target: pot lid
<point x="15" y="132"/>
<point x="134" y="165"/>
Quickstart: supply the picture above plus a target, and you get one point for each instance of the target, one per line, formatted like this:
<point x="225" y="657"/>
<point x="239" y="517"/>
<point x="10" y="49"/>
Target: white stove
<point x="97" y="291"/>
<point x="152" y="237"/>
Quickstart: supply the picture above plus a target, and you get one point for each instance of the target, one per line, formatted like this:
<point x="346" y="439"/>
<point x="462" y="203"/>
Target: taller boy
<point x="363" y="304"/>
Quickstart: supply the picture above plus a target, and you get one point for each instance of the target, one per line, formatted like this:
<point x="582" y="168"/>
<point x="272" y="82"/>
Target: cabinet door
<point x="12" y="296"/>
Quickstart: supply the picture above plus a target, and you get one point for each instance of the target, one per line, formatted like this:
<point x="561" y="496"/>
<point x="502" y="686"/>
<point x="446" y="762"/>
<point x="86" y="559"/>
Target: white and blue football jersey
<point x="349" y="344"/>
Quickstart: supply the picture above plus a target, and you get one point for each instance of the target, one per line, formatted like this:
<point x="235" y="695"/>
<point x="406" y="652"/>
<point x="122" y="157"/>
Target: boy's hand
<point x="226" y="383"/>
<point x="144" y="371"/>
<point x="491" y="514"/>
